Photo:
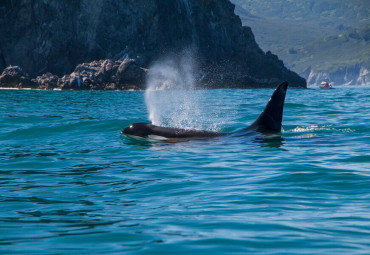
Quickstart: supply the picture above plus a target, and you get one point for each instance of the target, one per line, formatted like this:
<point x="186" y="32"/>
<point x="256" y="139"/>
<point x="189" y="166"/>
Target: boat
<point x="325" y="85"/>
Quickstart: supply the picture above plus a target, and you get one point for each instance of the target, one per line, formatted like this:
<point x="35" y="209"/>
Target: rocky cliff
<point x="55" y="36"/>
<point x="352" y="75"/>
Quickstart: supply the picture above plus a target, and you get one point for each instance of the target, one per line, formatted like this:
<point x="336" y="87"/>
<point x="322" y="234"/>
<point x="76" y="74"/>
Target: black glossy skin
<point x="271" y="117"/>
<point x="269" y="121"/>
<point x="145" y="130"/>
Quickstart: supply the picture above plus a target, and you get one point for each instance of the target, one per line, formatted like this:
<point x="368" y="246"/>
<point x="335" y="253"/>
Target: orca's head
<point x="137" y="129"/>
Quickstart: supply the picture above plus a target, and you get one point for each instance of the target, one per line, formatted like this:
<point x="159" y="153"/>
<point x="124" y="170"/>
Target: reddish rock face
<point x="105" y="75"/>
<point x="15" y="77"/>
<point x="97" y="75"/>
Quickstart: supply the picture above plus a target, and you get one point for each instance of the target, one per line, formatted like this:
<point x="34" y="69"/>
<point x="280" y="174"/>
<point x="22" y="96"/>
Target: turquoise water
<point x="70" y="184"/>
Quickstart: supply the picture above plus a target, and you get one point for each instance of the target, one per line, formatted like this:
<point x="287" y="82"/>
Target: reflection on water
<point x="263" y="140"/>
<point x="272" y="141"/>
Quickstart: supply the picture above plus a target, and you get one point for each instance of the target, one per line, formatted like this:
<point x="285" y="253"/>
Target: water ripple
<point x="69" y="183"/>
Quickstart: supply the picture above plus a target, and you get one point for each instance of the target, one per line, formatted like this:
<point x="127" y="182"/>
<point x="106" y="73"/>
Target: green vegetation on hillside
<point x="322" y="34"/>
<point x="332" y="52"/>
<point x="282" y="24"/>
<point x="325" y="12"/>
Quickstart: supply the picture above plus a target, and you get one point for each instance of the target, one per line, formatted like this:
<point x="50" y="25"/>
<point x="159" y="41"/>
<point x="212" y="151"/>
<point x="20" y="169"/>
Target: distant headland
<point x="110" y="45"/>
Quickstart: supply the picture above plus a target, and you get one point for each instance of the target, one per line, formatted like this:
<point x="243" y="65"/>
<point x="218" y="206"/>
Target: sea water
<point x="71" y="184"/>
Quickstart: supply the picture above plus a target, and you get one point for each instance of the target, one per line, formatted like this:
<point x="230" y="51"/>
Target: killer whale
<point x="269" y="121"/>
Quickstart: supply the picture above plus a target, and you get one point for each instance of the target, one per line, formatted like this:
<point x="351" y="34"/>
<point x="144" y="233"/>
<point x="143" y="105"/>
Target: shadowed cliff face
<point x="55" y="36"/>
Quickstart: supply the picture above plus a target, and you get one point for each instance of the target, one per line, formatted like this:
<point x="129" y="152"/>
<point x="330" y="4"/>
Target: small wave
<point x="315" y="128"/>
<point x="308" y="129"/>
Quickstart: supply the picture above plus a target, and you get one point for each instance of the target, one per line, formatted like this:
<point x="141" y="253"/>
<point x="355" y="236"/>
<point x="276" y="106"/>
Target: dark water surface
<point x="70" y="184"/>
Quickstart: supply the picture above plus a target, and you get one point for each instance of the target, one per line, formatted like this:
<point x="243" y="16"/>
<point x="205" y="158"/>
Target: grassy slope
<point x="317" y="31"/>
<point x="327" y="13"/>
<point x="333" y="52"/>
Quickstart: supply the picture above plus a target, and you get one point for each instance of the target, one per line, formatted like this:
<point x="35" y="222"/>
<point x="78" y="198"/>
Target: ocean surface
<point x="71" y="184"/>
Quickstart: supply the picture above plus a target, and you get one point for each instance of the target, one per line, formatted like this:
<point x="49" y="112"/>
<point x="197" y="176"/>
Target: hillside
<point x="328" y="12"/>
<point x="295" y="30"/>
<point x="343" y="58"/>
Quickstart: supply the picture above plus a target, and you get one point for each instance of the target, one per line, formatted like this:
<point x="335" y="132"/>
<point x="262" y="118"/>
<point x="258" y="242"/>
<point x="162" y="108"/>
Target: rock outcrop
<point x="57" y="36"/>
<point x="15" y="77"/>
<point x="46" y="81"/>
<point x="105" y="75"/>
<point x="97" y="75"/>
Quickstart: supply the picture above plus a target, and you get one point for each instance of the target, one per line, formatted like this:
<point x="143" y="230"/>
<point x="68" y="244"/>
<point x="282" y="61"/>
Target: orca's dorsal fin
<point x="271" y="117"/>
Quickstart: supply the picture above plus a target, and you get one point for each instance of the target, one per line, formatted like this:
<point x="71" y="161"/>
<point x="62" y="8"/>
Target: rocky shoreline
<point x="121" y="75"/>
<point x="357" y="74"/>
<point x="96" y="75"/>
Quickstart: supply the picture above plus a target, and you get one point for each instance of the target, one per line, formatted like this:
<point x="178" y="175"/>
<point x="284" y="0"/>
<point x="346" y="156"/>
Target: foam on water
<point x="316" y="128"/>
